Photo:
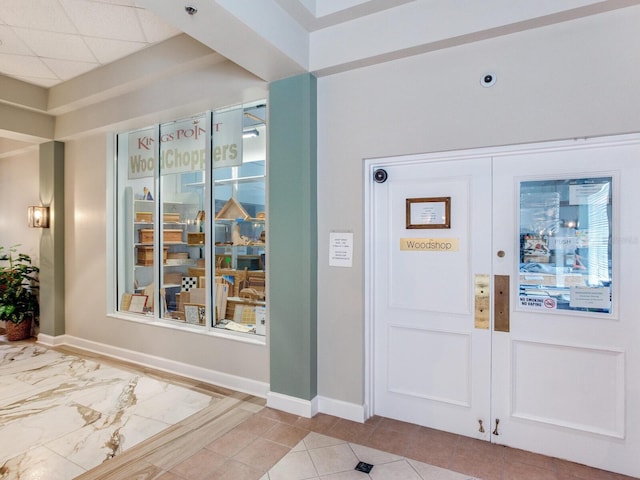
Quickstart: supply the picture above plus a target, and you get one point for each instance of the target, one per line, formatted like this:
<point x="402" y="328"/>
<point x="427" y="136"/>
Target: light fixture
<point x="250" y="133"/>
<point x="38" y="217"/>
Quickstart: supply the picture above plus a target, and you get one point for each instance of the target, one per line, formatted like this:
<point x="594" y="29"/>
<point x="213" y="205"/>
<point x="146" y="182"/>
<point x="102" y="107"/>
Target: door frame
<point x="369" y="167"/>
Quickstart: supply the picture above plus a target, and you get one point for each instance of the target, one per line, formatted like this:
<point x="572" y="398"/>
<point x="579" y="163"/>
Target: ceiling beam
<point x="258" y="36"/>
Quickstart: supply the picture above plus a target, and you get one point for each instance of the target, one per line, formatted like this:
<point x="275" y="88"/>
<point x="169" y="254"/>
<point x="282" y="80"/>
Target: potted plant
<point x="19" y="306"/>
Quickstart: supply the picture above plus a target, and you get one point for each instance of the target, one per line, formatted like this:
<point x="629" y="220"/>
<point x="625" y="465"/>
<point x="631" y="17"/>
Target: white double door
<point x="564" y="383"/>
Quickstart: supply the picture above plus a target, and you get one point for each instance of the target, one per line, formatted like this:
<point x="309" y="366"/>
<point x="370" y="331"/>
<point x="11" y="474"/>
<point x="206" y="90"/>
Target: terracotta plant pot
<point x="18" y="331"/>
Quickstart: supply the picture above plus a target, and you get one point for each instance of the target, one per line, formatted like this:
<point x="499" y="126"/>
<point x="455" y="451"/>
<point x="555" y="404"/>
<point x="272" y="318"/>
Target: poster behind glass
<point x="565" y="245"/>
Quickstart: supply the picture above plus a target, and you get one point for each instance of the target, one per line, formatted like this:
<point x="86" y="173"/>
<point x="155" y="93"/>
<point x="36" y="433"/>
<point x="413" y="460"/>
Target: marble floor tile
<point x="68" y="414"/>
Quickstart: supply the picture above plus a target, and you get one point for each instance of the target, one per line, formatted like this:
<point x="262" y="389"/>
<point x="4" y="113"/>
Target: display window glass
<point x="566" y="259"/>
<point x="191" y="213"/>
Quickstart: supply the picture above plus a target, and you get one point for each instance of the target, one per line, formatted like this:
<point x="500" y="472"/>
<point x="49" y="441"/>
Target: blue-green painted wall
<point x="292" y="236"/>
<point x="52" y="273"/>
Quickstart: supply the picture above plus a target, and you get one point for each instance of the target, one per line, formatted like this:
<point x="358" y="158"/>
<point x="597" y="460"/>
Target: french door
<point x="503" y="296"/>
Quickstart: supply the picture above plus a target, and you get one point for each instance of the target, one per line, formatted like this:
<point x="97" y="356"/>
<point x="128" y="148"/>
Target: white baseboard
<point x="308" y="408"/>
<point x="50" y="340"/>
<point x="294" y="405"/>
<point x="339" y="408"/>
<point x="233" y="382"/>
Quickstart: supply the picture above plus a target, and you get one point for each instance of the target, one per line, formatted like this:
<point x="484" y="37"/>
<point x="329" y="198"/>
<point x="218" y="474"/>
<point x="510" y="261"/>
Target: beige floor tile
<point x="372" y="456"/>
<point x="521" y="471"/>
<point x="294" y="466"/>
<point x="333" y="459"/>
<point x="257" y="425"/>
<point x="430" y="472"/>
<point x="286" y="434"/>
<point x="233" y="470"/>
<point x="352" y="431"/>
<point x="199" y="466"/>
<point x="321" y="423"/>
<point x="514" y="455"/>
<point x="262" y="454"/>
<point x="350" y="475"/>
<point x="317" y="440"/>
<point x="400" y="470"/>
<point x="232" y="442"/>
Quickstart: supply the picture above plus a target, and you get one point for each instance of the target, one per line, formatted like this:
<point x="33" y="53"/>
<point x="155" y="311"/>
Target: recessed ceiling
<point x="46" y="42"/>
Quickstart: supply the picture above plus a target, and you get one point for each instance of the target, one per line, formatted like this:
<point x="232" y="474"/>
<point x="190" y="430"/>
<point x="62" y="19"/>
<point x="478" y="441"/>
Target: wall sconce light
<point x="38" y="217"/>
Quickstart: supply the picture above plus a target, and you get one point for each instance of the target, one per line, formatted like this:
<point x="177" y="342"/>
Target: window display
<point x="191" y="220"/>
<point x="565" y="245"/>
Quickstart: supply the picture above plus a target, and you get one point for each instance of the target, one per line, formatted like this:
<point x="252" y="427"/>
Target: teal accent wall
<point x="52" y="313"/>
<point x="292" y="237"/>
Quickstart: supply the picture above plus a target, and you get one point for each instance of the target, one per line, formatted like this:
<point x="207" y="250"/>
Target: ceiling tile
<point x="107" y="51"/>
<point x="11" y="43"/>
<point x="56" y="45"/>
<point x="154" y="29"/>
<point x="39" y="14"/>
<point x="25" y="66"/>
<point x="105" y="20"/>
<point x="67" y="69"/>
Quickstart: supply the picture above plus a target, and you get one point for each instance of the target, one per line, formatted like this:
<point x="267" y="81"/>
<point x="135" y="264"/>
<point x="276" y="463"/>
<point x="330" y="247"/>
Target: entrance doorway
<point x="502" y="296"/>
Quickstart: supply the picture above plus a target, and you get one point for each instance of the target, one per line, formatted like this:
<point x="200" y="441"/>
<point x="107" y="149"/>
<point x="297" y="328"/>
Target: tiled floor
<point x="237" y="438"/>
<point x="419" y="445"/>
<point x="318" y="456"/>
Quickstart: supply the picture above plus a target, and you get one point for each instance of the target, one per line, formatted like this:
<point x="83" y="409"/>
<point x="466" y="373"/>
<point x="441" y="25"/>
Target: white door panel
<point x="566" y="383"/>
<point x="564" y="378"/>
<point x="431" y="365"/>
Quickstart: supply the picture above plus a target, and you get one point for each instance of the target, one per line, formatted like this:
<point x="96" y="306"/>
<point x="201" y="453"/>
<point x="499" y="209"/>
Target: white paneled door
<point x="503" y="296"/>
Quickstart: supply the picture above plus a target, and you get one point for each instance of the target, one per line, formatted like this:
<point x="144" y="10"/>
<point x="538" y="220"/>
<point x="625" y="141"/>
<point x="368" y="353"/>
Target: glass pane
<point x="136" y="217"/>
<point x="565" y="245"/>
<point x="239" y="204"/>
<point x="183" y="275"/>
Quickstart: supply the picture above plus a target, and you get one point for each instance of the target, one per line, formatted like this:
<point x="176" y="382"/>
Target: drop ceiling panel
<point x="107" y="51"/>
<point x="20" y="65"/>
<point x="104" y="20"/>
<point x="67" y="69"/>
<point x="45" y="15"/>
<point x="11" y="43"/>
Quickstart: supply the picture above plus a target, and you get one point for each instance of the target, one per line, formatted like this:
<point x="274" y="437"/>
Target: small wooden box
<point x="145" y="256"/>
<point x="195" y="238"/>
<point x="171" y="217"/>
<point x="169" y="236"/>
<point x="145" y="235"/>
<point x="178" y="255"/>
<point x="144" y="217"/>
<point x="172" y="236"/>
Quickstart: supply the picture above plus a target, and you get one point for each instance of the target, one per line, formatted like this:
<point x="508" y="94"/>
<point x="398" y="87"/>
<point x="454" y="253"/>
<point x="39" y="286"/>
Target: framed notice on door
<point x="565" y="245"/>
<point x="432" y="212"/>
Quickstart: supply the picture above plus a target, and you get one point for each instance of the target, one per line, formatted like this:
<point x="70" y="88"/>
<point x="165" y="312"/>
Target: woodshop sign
<point x="429" y="244"/>
<point x="183" y="146"/>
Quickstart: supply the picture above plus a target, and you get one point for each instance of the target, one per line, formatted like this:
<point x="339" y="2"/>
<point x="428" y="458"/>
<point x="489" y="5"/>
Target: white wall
<point x="570" y="80"/>
<point x="20" y="180"/>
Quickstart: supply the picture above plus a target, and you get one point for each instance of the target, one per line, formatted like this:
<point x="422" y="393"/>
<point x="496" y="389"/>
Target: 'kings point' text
<point x="177" y="154"/>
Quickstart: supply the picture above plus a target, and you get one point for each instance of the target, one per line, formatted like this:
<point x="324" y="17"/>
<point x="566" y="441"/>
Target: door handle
<point x="501" y="303"/>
